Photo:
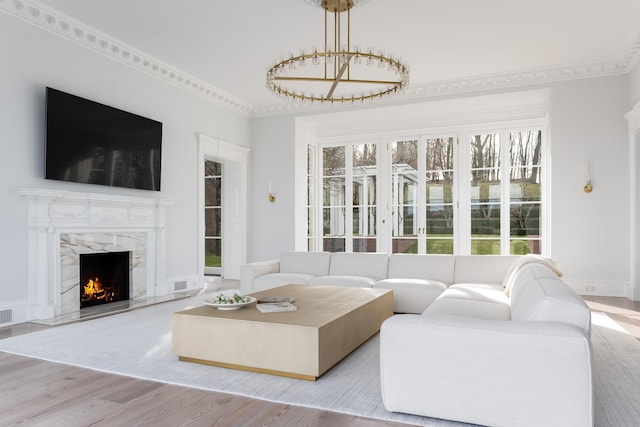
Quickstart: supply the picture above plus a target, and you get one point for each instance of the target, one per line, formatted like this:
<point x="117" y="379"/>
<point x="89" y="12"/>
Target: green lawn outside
<point x="213" y="261"/>
<point x="492" y="247"/>
<point x="439" y="246"/>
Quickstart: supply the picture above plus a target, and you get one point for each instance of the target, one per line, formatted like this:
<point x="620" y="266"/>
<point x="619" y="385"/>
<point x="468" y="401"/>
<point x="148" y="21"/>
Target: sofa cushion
<point x="479" y="286"/>
<point x="479" y="292"/>
<point x="524" y="260"/>
<point x="412" y="295"/>
<point x="314" y="263"/>
<point x="366" y="264"/>
<point x="468" y="308"/>
<point x="346" y="280"/>
<point x="274" y="280"/>
<point x="482" y="268"/>
<point x="538" y="294"/>
<point x="427" y="267"/>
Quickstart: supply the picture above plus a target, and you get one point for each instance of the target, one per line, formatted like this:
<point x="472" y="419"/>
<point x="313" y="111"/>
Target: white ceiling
<point x="229" y="44"/>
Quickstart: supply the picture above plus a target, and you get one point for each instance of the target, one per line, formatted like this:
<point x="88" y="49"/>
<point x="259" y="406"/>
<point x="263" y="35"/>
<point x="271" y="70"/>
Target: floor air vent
<point x="6" y="316"/>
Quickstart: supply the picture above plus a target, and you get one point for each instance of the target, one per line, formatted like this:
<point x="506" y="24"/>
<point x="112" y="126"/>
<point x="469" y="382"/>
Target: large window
<point x="485" y="202"/>
<point x="464" y="192"/>
<point x="525" y="191"/>
<point x="505" y="198"/>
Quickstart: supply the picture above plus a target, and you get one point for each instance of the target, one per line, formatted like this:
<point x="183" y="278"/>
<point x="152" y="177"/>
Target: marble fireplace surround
<point x="62" y="225"/>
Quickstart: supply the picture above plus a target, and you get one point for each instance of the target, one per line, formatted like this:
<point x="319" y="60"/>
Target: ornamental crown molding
<point x="62" y="25"/>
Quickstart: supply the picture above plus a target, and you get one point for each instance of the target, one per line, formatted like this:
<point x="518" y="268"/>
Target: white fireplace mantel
<point x="63" y="224"/>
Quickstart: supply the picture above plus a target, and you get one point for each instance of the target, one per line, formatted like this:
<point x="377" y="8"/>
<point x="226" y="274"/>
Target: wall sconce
<point x="588" y="188"/>
<point x="271" y="197"/>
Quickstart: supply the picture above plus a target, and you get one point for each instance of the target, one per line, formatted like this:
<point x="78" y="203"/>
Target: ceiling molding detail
<point x="52" y="20"/>
<point x="56" y="22"/>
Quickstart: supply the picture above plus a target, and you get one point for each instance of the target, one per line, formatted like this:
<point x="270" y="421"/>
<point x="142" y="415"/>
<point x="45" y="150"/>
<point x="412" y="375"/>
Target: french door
<point x="421" y="193"/>
<point x="349" y="198"/>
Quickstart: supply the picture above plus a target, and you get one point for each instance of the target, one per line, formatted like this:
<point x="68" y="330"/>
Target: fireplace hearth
<point x="104" y="278"/>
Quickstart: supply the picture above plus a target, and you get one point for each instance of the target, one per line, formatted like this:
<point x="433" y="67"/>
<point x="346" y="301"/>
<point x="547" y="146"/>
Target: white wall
<point x="634" y="86"/>
<point x="634" y="149"/>
<point x="589" y="232"/>
<point x="33" y="58"/>
<point x="271" y="227"/>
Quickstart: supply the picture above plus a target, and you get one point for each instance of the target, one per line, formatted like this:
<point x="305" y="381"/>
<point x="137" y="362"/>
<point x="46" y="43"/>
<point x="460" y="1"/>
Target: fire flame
<point x="93" y="290"/>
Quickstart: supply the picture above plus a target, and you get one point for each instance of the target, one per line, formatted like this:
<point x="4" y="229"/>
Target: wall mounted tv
<point x="93" y="143"/>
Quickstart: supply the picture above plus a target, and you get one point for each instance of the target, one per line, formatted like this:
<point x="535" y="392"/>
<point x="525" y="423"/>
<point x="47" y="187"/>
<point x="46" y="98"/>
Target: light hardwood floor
<point x="622" y="310"/>
<point x="39" y="393"/>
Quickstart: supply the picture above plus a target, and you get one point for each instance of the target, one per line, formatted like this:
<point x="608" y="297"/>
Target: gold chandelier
<point x="339" y="73"/>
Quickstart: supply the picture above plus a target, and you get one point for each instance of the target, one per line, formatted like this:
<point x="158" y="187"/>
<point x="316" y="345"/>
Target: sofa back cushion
<point x="315" y="263"/>
<point x="538" y="294"/>
<point x="524" y="260"/>
<point x="365" y="264"/>
<point x="426" y="267"/>
<point x="482" y="268"/>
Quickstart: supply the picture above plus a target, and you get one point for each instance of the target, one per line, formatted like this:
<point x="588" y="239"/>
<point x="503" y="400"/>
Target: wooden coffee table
<point x="329" y="324"/>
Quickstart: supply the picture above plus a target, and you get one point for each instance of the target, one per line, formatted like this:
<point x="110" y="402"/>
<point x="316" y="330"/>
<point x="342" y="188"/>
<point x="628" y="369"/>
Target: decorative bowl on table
<point x="226" y="302"/>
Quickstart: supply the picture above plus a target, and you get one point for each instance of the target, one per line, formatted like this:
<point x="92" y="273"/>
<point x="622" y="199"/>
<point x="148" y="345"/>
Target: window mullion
<point x="462" y="181"/>
<point x="505" y="210"/>
<point x="348" y="203"/>
<point x="383" y="173"/>
<point x="421" y="200"/>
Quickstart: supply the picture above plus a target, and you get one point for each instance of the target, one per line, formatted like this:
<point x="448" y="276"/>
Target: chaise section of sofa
<point x="480" y="356"/>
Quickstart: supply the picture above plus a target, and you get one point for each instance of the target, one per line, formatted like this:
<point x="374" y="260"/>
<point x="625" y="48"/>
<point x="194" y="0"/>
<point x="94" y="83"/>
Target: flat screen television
<point x="93" y="143"/>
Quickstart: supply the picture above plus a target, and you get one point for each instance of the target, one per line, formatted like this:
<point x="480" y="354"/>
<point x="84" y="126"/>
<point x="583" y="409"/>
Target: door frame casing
<point x="234" y="210"/>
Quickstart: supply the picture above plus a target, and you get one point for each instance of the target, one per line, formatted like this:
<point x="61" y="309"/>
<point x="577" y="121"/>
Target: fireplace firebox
<point x="104" y="278"/>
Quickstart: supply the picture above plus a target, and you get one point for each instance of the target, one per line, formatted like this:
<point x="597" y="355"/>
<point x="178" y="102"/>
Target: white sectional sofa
<point x="491" y="340"/>
<point x="519" y="356"/>
<point x="416" y="280"/>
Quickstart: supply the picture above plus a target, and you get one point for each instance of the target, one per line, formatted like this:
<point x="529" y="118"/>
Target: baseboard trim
<point x="600" y="288"/>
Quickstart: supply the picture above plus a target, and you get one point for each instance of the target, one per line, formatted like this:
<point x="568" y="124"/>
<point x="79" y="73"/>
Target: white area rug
<point x="138" y="344"/>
